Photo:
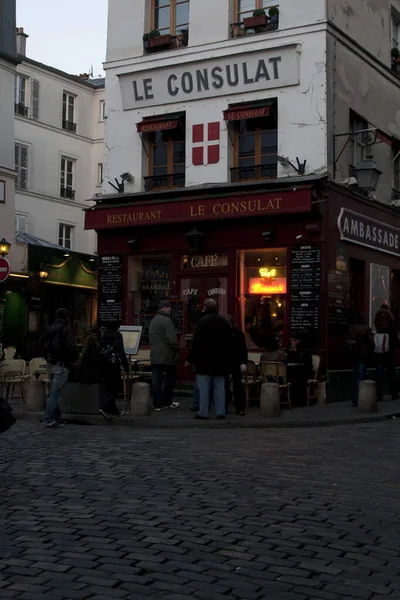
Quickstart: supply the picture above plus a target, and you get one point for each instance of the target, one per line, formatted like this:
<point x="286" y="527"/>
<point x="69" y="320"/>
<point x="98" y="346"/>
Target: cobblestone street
<point x="95" y="512"/>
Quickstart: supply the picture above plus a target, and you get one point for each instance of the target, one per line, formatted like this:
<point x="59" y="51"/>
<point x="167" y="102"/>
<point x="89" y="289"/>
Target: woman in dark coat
<point x="239" y="356"/>
<point x="111" y="358"/>
<point x="361" y="341"/>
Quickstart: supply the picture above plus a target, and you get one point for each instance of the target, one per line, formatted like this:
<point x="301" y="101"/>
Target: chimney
<point x="21" y="41"/>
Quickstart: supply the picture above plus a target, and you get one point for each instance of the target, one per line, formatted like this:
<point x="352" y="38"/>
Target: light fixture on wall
<point x="195" y="239"/>
<point x="43" y="274"/>
<point x="368" y="174"/>
<point x="4" y="247"/>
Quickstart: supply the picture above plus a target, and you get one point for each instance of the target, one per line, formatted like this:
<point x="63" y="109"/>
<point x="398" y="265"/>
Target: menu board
<point x="177" y="314"/>
<point x="338" y="297"/>
<point x="110" y="290"/>
<point x="131" y="335"/>
<point x="305" y="288"/>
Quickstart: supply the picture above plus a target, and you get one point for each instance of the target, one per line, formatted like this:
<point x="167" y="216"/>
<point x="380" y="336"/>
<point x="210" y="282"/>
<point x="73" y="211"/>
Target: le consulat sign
<point x="364" y="231"/>
<point x="234" y="74"/>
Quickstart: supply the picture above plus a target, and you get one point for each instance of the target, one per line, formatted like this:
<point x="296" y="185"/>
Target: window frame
<point x="102" y="111"/>
<point x="357" y="123"/>
<point x="24" y="216"/>
<point x="395" y="31"/>
<point x="258" y="6"/>
<point x="17" y="89"/>
<point x="63" y="175"/>
<point x="2" y="191"/>
<point x="170" y="154"/>
<point x="62" y="238"/>
<point x="65" y="105"/>
<point x="99" y="173"/>
<point x="18" y="166"/>
<point x="257" y="147"/>
<point x="172" y="16"/>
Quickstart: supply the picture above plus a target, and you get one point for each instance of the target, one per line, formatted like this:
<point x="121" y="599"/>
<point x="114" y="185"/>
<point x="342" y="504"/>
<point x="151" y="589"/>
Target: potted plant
<point x="156" y="40"/>
<point x="146" y="41"/>
<point x="273" y="17"/>
<point x="259" y="19"/>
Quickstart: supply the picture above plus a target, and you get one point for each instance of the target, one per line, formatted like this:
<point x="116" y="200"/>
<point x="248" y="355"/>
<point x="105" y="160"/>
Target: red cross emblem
<point x="205" y="151"/>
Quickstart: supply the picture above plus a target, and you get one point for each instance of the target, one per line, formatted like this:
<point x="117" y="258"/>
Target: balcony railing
<point x="164" y="182"/>
<point x="67" y="193"/>
<point x="69" y="126"/>
<point x="254" y="173"/>
<point x="21" y="109"/>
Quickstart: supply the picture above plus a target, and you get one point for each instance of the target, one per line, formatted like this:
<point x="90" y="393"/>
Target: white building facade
<point x="59" y="144"/>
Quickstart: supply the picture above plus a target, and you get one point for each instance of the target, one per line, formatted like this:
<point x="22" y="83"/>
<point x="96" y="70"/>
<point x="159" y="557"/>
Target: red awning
<point x="158" y="123"/>
<point x="246" y="111"/>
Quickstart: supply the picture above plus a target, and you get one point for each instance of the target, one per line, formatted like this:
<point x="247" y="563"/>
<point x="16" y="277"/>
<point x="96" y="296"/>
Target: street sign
<point x="4" y="269"/>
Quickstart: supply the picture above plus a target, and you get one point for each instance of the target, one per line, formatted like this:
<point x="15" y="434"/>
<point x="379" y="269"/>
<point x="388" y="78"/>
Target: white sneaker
<point x="174" y="405"/>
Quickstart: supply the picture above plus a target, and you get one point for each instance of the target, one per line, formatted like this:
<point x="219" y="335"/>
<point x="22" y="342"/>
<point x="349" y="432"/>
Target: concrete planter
<point x="80" y="398"/>
<point x="35" y="395"/>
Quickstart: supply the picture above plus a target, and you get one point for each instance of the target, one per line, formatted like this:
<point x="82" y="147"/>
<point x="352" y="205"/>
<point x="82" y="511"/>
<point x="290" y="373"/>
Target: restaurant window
<point x="245" y="8"/>
<point x="149" y="283"/>
<point x="166" y="166"/>
<point x="255" y="144"/>
<point x="170" y="16"/>
<point x="263" y="289"/>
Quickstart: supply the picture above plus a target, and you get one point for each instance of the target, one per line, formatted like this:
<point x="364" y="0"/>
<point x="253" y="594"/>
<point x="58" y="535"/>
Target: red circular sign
<point x="4" y="269"/>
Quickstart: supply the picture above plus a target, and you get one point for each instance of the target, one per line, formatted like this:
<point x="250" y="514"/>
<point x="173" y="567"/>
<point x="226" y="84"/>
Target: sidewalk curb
<point x="153" y="422"/>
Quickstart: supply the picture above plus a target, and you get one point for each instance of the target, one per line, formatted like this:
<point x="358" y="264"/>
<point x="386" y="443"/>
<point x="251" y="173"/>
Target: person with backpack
<point x="385" y="342"/>
<point x="112" y="357"/>
<point x="58" y="347"/>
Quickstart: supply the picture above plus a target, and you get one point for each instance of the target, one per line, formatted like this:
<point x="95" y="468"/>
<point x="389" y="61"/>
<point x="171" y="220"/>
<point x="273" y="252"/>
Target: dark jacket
<point x="239" y="353"/>
<point x="114" y="340"/>
<point x="163" y="341"/>
<point x="58" y="344"/>
<point x="210" y="352"/>
<point x="361" y="339"/>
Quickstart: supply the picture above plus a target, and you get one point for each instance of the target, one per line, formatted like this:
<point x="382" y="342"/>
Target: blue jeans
<point x="360" y="373"/>
<point x="58" y="378"/>
<point x="206" y="383"/>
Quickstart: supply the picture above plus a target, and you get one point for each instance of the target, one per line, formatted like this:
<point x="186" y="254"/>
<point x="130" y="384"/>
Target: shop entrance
<point x="195" y="290"/>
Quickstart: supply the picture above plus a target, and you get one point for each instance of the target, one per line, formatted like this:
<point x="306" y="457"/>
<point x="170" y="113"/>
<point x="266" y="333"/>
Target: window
<point x="20" y="96"/>
<point x="256" y="147"/>
<point x="102" y="114"/>
<point x="67" y="179"/>
<point x="99" y="173"/>
<point x="395" y="32"/>
<point x="245" y="8"/>
<point x="2" y="191"/>
<point x="65" y="233"/>
<point x="68" y="113"/>
<point x="396" y="170"/>
<point x="21" y="223"/>
<point x="170" y="16"/>
<point x="166" y="159"/>
<point x="35" y="92"/>
<point x="21" y="165"/>
<point x="357" y="146"/>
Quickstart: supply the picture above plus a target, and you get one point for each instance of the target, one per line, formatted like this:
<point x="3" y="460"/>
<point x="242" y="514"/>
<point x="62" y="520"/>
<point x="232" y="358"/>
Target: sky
<point x="70" y="35"/>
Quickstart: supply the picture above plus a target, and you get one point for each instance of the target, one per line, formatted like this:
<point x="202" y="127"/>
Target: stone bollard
<point x="270" y="402"/>
<point x="140" y="399"/>
<point x="321" y="392"/>
<point x="367" y="396"/>
<point x="35" y="395"/>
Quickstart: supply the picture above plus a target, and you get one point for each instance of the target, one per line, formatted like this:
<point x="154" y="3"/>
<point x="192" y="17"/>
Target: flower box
<point x="255" y="22"/>
<point x="161" y="41"/>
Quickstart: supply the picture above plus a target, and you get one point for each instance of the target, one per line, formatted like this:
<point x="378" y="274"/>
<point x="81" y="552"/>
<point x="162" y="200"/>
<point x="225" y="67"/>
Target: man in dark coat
<point x="111" y="358"/>
<point x="385" y="342"/>
<point x="58" y="347"/>
<point x="239" y="357"/>
<point x="210" y="354"/>
<point x="164" y="357"/>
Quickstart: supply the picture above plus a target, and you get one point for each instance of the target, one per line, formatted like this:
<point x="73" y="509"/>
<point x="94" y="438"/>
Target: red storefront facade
<point x="273" y="254"/>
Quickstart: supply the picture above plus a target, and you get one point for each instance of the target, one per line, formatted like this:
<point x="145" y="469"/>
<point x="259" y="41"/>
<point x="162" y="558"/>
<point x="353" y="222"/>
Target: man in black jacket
<point x="59" y="350"/>
<point x="239" y="357"/>
<point x="210" y="355"/>
<point x="111" y="358"/>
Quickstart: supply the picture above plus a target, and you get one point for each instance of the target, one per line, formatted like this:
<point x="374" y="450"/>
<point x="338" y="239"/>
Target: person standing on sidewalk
<point x="164" y="357"/>
<point x="58" y="347"/>
<point x="238" y="367"/>
<point x="210" y="354"/>
<point x="361" y="342"/>
<point x="385" y="342"/>
<point x="111" y="358"/>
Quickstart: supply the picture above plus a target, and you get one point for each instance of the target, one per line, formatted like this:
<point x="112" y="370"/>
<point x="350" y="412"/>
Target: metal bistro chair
<point x="276" y="372"/>
<point x="251" y="380"/>
<point x="311" y="386"/>
<point x="13" y="375"/>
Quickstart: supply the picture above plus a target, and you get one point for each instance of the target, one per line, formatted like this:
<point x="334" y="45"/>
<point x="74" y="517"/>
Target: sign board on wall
<point x="305" y="288"/>
<point x="5" y="269"/>
<point x="234" y="74"/>
<point x="364" y="231"/>
<point x="110" y="290"/>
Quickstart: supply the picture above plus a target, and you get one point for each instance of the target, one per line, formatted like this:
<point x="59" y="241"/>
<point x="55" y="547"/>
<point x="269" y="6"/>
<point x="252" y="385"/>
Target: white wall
<point x="48" y="142"/>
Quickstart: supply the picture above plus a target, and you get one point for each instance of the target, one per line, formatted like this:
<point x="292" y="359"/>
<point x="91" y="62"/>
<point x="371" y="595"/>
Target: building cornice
<point x="69" y="203"/>
<point x="7" y="172"/>
<point x="85" y="83"/>
<point x="59" y="130"/>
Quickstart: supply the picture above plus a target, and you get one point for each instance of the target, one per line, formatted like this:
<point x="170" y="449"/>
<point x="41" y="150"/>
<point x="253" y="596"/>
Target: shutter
<point x="35" y="98"/>
<point x="23" y="167"/>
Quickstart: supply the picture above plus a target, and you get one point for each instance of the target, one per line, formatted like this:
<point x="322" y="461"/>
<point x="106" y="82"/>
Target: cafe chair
<point x="9" y="353"/>
<point x="311" y="385"/>
<point x="251" y="380"/>
<point x="13" y="375"/>
<point x="276" y="372"/>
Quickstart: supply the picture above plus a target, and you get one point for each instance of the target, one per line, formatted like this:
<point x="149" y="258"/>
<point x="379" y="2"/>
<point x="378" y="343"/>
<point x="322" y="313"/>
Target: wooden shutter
<point x="35" y="98"/>
<point x="21" y="164"/>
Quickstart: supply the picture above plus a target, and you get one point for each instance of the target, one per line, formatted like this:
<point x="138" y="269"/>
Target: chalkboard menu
<point x="110" y="290"/>
<point x="338" y="297"/>
<point x="305" y="288"/>
<point x="177" y="314"/>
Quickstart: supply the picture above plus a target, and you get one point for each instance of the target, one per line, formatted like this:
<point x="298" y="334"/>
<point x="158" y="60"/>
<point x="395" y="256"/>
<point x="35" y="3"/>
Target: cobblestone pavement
<point x="102" y="513"/>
